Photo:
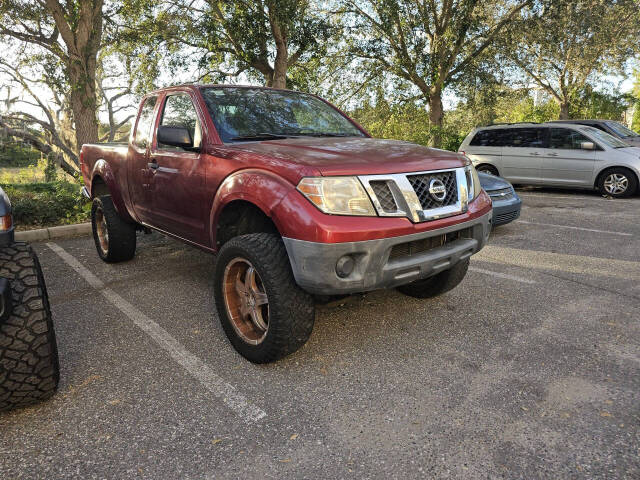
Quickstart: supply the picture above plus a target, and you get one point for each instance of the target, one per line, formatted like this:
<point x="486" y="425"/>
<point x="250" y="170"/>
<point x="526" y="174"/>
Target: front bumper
<point x="505" y="211"/>
<point x="376" y="266"/>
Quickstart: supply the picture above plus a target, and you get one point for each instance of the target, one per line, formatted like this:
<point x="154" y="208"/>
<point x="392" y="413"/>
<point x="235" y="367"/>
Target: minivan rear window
<point x="488" y="138"/>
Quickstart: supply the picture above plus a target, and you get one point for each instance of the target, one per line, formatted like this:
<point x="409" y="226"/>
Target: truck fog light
<point x="345" y="265"/>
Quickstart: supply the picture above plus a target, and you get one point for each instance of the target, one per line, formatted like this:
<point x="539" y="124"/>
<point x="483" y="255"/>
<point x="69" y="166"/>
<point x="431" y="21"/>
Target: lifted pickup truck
<point x="297" y="200"/>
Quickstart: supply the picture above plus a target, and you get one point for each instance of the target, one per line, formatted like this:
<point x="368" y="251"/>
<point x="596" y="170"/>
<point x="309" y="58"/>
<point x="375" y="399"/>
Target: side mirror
<point x="175" y="136"/>
<point x="587" y="146"/>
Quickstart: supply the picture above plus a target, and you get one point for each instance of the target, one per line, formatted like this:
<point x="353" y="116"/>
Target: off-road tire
<point x="121" y="243"/>
<point x="486" y="168"/>
<point x="438" y="284"/>
<point x="29" y="369"/>
<point x="632" y="187"/>
<point x="291" y="309"/>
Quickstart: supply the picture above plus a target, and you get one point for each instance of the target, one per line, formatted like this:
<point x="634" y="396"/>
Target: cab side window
<point x="143" y="128"/>
<point x="180" y="112"/>
<point x="566" y="139"/>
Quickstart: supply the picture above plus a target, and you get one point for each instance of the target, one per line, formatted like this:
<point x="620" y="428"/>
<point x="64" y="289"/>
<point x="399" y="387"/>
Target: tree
<point x="431" y="44"/>
<point x="72" y="32"/>
<point x="264" y="37"/>
<point x="571" y="42"/>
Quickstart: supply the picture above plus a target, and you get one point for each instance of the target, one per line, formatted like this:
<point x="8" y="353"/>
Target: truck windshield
<point x="253" y="114"/>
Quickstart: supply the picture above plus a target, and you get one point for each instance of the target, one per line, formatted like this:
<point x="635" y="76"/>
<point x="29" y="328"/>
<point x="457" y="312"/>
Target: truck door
<point x="179" y="174"/>
<point x="139" y="173"/>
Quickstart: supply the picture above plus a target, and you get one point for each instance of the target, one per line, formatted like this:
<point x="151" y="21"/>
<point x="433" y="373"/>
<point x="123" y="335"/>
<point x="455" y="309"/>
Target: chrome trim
<point x="85" y="192"/>
<point x="407" y="202"/>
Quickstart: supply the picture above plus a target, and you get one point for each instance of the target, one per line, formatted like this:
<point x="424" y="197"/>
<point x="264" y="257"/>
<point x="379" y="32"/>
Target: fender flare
<point x="261" y="188"/>
<point x="103" y="170"/>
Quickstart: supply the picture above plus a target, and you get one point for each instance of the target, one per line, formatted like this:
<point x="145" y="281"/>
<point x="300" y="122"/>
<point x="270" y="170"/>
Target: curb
<point x="64" y="231"/>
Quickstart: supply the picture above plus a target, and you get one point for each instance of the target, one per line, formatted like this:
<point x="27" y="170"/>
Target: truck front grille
<point x="420" y="196"/>
<point x="385" y="197"/>
<point x="421" y="184"/>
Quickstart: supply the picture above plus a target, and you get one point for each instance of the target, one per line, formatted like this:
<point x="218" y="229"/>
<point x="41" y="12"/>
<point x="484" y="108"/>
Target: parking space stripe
<point x="575" y="228"/>
<point x="196" y="367"/>
<point x="506" y="276"/>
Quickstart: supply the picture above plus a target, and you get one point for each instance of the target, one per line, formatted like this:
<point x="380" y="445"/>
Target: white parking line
<point x="196" y="367"/>
<point x="576" y="228"/>
<point x="506" y="276"/>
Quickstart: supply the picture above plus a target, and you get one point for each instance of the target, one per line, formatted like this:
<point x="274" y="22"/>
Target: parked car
<point x="294" y="196"/>
<point x="29" y="369"/>
<point x="612" y="127"/>
<point x="506" y="202"/>
<point x="555" y="154"/>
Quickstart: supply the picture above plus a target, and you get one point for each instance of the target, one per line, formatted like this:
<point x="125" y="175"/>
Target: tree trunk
<point x="84" y="105"/>
<point x="564" y="110"/>
<point x="436" y="115"/>
<point x="280" y="70"/>
<point x="279" y="79"/>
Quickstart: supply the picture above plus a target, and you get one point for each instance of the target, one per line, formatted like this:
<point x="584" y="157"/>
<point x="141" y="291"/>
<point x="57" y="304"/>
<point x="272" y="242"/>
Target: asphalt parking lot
<point x="529" y="369"/>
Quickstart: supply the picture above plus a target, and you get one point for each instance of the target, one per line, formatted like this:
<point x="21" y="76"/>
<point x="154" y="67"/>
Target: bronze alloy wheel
<point x="102" y="230"/>
<point x="246" y="301"/>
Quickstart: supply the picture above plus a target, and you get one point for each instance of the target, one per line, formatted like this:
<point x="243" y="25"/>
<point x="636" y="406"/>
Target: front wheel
<point x="438" y="284"/>
<point x="29" y="369"/>
<point x="617" y="183"/>
<point x="263" y="312"/>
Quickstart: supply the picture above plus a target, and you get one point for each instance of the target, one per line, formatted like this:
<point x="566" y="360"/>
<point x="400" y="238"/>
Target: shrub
<point x="46" y="204"/>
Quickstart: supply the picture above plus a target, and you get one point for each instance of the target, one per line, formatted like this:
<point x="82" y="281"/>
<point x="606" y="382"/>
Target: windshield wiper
<point x="260" y="136"/>
<point x="323" y="134"/>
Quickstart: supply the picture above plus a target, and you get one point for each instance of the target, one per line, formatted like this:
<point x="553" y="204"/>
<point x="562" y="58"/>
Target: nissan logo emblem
<point x="437" y="190"/>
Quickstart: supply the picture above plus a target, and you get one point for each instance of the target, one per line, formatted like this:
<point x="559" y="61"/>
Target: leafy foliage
<point x="45" y="204"/>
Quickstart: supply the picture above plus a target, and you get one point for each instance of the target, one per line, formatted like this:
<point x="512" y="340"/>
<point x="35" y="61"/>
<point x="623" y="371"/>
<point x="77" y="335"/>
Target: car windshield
<point x="604" y="137"/>
<point x="254" y="114"/>
<point x="621" y="130"/>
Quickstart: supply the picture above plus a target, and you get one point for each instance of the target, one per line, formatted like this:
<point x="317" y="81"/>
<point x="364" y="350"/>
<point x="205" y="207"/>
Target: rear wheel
<point x="29" y="369"/>
<point x="486" y="168"/>
<point x="438" y="284"/>
<point x="115" y="238"/>
<point x="263" y="312"/>
<point x="617" y="182"/>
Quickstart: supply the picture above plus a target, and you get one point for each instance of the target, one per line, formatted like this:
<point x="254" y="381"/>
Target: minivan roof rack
<point x="511" y="123"/>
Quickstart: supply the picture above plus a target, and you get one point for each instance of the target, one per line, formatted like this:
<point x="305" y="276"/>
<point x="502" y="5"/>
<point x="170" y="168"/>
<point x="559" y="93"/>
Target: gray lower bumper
<point x="314" y="264"/>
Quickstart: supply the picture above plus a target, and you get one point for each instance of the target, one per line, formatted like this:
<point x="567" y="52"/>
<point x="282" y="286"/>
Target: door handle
<point x="535" y="154"/>
<point x="152" y="165"/>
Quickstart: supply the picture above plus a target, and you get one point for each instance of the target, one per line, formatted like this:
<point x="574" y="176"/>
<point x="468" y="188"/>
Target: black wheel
<point x="486" y="168"/>
<point x="115" y="238"/>
<point x="29" y="369"/>
<point x="264" y="313"/>
<point x="438" y="284"/>
<point x="617" y="182"/>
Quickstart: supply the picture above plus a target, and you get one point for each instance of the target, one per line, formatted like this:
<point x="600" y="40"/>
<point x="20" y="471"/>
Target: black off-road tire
<point x="632" y="186"/>
<point x="29" y="369"/>
<point x="438" y="284"/>
<point x="291" y="309"/>
<point x="121" y="239"/>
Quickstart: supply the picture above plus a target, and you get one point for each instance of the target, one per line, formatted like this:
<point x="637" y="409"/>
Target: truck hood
<point x="354" y="155"/>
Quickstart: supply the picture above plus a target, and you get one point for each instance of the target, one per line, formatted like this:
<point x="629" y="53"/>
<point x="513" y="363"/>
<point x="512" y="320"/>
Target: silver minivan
<point x="555" y="154"/>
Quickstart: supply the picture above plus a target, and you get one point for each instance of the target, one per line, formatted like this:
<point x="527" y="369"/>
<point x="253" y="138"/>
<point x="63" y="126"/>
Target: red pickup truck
<point x="296" y="198"/>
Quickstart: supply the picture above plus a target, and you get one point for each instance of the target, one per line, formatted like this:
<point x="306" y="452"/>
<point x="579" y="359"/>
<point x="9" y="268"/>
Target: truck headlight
<point x="473" y="181"/>
<point x="337" y="195"/>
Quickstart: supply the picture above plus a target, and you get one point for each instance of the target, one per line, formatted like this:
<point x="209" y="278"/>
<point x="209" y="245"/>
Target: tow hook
<point x="6" y="303"/>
